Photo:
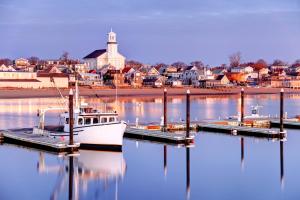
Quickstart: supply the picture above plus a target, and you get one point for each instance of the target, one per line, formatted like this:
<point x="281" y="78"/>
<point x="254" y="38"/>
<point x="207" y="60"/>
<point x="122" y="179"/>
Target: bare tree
<point x="33" y="60"/>
<point x="296" y="63"/>
<point x="179" y="64"/>
<point x="6" y="61"/>
<point x="278" y="62"/>
<point x="133" y="63"/>
<point x="65" y="57"/>
<point x="235" y="59"/>
<point x="197" y="63"/>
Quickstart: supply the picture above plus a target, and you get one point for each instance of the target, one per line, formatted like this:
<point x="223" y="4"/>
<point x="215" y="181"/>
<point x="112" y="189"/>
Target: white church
<point x="109" y="57"/>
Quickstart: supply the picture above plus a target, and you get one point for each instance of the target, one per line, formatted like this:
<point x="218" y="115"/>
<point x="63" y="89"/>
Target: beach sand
<point x="52" y="92"/>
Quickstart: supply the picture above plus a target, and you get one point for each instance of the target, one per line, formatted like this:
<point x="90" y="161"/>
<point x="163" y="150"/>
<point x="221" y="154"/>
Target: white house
<point x="191" y="75"/>
<point x="103" y="57"/>
<point x="5" y="68"/>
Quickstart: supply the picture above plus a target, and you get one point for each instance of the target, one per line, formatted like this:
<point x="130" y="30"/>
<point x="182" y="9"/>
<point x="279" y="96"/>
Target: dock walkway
<point x="242" y="130"/>
<point x="26" y="138"/>
<point x="286" y="124"/>
<point x="158" y="136"/>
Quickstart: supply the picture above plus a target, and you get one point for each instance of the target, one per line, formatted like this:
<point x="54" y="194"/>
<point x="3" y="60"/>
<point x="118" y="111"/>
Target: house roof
<point x="219" y="77"/>
<point x="126" y="69"/>
<point x="19" y="80"/>
<point x="95" y="53"/>
<point x="52" y="75"/>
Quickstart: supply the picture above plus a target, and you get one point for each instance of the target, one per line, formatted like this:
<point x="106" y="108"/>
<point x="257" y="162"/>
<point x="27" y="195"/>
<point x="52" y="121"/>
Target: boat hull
<point x="102" y="135"/>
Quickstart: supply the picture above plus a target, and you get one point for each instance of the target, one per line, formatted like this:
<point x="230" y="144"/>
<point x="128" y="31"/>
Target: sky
<point x="153" y="31"/>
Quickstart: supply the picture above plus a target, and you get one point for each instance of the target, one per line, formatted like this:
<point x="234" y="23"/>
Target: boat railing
<point x="38" y="131"/>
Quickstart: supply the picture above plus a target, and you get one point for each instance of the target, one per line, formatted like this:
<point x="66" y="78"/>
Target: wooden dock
<point x="158" y="136"/>
<point x="25" y="137"/>
<point x="242" y="130"/>
<point x="286" y="124"/>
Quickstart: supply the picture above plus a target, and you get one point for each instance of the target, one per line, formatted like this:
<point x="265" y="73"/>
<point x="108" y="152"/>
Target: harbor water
<point x="217" y="166"/>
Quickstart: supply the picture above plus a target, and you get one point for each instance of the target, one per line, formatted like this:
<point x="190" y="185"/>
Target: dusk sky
<point x="153" y="31"/>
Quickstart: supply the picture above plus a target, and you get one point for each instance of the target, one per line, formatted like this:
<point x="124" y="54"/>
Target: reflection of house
<point x="220" y="81"/>
<point x="103" y="57"/>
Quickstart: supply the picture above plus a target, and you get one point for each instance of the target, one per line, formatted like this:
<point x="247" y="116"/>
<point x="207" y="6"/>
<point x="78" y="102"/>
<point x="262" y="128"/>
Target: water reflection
<point x="84" y="169"/>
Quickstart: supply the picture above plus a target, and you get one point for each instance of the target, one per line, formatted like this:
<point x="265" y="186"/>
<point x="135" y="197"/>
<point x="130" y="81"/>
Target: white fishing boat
<point x="93" y="129"/>
<point x="254" y="114"/>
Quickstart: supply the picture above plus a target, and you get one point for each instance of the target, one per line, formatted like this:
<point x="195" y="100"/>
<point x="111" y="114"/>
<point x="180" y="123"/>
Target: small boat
<point x="93" y="129"/>
<point x="254" y="114"/>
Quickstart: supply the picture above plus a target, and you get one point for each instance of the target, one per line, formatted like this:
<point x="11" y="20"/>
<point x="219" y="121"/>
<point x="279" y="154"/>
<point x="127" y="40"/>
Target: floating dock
<point x="158" y="136"/>
<point x="286" y="124"/>
<point x="242" y="130"/>
<point x="25" y="137"/>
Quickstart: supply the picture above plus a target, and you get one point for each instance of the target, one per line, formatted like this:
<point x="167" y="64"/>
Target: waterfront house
<point x="242" y="69"/>
<point x="90" y="79"/>
<point x="4" y="68"/>
<point x="220" y="81"/>
<point x="157" y="81"/>
<point x="191" y="75"/>
<point x="103" y="57"/>
<point x="21" y="63"/>
<point x="173" y="82"/>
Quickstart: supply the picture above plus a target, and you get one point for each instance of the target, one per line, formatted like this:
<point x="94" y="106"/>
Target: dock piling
<point x="71" y="116"/>
<point x="188" y="186"/>
<point x="188" y="113"/>
<point x="165" y="110"/>
<point x="281" y="110"/>
<point x="242" y="106"/>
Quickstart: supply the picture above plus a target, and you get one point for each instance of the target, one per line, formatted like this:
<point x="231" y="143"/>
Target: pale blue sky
<point x="153" y="31"/>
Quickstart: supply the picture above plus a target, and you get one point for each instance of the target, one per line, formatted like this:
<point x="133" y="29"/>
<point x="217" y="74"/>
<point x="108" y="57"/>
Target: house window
<point x="103" y="119"/>
<point x="87" y="121"/>
<point x="67" y="121"/>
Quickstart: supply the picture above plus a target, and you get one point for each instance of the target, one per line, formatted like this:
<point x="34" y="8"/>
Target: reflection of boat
<point x="92" y="128"/>
<point x="254" y="114"/>
<point x="101" y="166"/>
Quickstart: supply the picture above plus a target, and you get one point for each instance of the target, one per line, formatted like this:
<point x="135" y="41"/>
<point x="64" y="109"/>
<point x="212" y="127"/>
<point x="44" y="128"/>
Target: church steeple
<point x="112" y="46"/>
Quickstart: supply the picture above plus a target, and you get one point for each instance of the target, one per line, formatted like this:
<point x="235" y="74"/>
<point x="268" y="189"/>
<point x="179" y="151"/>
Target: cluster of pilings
<point x="282" y="132"/>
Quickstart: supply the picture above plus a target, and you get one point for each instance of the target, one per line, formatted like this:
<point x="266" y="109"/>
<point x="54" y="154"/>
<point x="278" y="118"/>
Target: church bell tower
<point x="112" y="45"/>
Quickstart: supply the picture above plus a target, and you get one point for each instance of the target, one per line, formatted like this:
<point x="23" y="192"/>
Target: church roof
<point x="95" y="53"/>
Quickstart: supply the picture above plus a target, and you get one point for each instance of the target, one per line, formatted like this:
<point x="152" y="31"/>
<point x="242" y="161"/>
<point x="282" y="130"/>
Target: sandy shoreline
<point x="40" y="93"/>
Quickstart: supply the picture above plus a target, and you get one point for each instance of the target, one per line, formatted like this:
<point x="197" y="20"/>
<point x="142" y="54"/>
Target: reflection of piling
<point x="281" y="110"/>
<point x="71" y="115"/>
<point x="242" y="153"/>
<point x="71" y="173"/>
<point x="281" y="165"/>
<point x="188" y="188"/>
<point x="165" y="160"/>
<point x="165" y="110"/>
<point x="242" y="106"/>
<point x="188" y="113"/>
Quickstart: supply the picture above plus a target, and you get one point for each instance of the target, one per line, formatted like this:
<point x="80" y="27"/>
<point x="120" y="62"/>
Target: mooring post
<point x="242" y="106"/>
<point x="188" y="113"/>
<point x="165" y="110"/>
<point x="281" y="110"/>
<point x="71" y="115"/>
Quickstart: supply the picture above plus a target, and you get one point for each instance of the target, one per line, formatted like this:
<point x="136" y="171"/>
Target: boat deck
<point x="242" y="130"/>
<point x="27" y="138"/>
<point x="158" y="136"/>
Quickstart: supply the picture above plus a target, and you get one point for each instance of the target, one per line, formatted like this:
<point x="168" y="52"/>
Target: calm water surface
<point x="219" y="167"/>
